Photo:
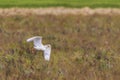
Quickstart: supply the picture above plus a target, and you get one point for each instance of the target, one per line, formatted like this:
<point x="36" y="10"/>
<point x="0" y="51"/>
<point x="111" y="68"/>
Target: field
<point x="85" y="42"/>
<point x="84" y="47"/>
<point x="56" y="3"/>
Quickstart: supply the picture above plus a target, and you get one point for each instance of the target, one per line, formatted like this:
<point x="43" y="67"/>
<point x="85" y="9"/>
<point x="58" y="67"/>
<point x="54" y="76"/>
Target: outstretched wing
<point x="37" y="40"/>
<point x="47" y="53"/>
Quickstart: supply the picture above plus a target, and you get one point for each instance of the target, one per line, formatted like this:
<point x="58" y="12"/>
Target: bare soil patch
<point x="59" y="11"/>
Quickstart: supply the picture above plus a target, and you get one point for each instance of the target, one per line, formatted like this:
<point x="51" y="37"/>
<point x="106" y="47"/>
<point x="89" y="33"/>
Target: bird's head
<point x="48" y="46"/>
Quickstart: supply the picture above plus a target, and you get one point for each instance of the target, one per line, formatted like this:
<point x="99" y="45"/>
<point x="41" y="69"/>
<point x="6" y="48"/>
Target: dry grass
<point x="58" y="11"/>
<point x="83" y="47"/>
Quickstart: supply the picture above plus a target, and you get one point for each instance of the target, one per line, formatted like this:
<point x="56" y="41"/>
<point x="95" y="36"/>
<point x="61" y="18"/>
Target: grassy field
<point x="65" y="3"/>
<point x="83" y="47"/>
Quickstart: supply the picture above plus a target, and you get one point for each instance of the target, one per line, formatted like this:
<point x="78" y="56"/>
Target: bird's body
<point x="37" y="40"/>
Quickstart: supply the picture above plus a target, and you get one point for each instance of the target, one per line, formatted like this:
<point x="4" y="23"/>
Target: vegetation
<point x="83" y="47"/>
<point x="65" y="3"/>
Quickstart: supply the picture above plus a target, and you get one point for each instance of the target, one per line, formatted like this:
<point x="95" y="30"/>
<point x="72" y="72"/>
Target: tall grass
<point x="83" y="47"/>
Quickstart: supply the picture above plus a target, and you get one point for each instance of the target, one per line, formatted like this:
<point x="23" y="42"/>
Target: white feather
<point x="47" y="52"/>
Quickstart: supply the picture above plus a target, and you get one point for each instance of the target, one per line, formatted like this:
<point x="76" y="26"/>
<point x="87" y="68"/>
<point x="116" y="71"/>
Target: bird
<point x="37" y="41"/>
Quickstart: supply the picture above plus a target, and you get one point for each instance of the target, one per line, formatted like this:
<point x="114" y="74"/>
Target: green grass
<point x="83" y="47"/>
<point x="56" y="3"/>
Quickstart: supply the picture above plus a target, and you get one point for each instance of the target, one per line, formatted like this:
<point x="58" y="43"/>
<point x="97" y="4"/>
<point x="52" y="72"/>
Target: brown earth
<point x="59" y="11"/>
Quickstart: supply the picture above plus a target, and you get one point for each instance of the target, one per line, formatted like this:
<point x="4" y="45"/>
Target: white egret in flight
<point x="37" y="40"/>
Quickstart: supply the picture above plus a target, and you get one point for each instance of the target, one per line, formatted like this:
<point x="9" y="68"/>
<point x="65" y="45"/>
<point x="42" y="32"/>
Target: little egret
<point x="37" y="40"/>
